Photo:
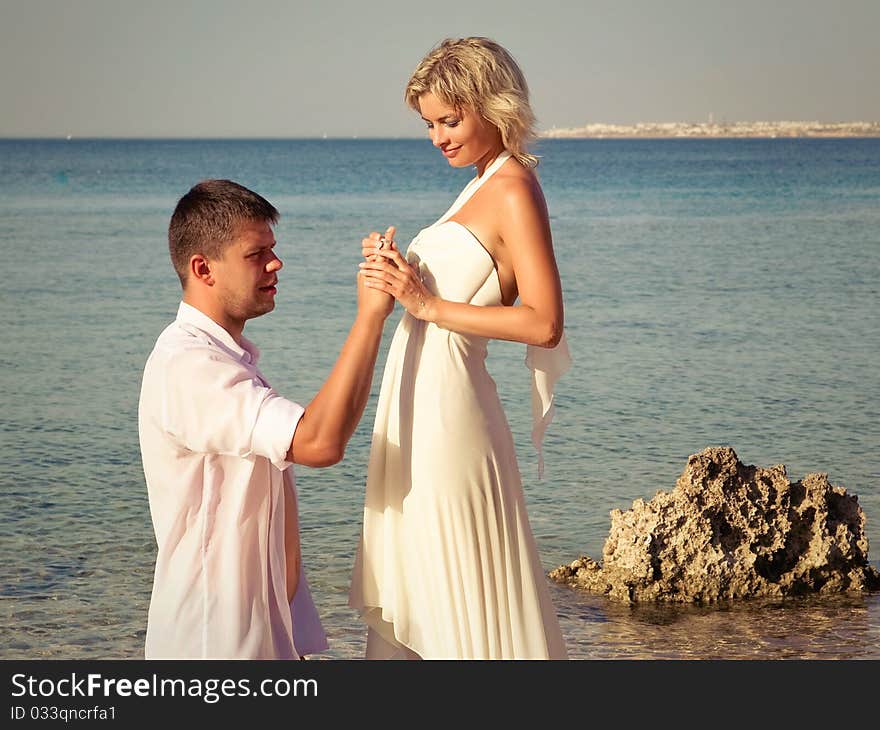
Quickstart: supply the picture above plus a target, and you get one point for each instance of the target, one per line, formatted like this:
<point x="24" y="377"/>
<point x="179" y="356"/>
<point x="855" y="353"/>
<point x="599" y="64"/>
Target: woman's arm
<point x="523" y="226"/>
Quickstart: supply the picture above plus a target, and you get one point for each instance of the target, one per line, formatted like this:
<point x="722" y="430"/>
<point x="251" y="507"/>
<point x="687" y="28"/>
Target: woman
<point x="447" y="565"/>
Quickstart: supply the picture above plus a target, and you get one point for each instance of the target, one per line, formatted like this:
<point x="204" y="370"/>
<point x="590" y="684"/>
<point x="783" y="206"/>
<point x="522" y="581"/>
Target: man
<point x="218" y="442"/>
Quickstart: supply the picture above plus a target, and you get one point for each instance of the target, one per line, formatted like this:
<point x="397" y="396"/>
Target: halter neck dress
<point x="447" y="565"/>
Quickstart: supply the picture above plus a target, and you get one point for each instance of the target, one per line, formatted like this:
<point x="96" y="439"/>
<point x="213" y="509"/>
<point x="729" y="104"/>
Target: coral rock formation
<point x="728" y="531"/>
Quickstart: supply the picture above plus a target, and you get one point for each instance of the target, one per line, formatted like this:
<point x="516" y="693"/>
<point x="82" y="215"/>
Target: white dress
<point x="447" y="565"/>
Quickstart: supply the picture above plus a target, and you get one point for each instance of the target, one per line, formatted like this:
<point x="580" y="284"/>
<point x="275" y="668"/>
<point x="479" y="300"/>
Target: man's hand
<point x="372" y="301"/>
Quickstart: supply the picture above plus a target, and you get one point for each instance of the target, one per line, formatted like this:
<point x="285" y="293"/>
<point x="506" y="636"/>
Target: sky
<point x="267" y="68"/>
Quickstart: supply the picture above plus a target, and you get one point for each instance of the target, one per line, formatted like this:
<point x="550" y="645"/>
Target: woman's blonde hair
<point x="478" y="74"/>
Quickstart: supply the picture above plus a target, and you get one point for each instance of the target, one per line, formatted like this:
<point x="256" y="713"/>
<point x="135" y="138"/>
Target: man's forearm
<point x="332" y="416"/>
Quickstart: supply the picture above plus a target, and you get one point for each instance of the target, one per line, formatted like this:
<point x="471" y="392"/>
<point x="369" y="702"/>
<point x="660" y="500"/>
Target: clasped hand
<point x="386" y="269"/>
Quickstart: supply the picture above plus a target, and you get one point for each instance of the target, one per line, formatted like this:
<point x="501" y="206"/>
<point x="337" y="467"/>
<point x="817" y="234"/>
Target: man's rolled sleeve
<point x="215" y="404"/>
<point x="274" y="428"/>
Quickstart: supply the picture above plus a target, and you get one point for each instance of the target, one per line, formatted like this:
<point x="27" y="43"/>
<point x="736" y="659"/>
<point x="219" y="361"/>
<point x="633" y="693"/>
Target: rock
<point x="730" y="531"/>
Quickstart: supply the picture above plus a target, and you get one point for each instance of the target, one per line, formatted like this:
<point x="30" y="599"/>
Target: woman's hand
<point x="387" y="270"/>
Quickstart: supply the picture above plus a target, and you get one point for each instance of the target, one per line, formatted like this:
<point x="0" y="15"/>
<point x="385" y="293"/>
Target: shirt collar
<point x="246" y="352"/>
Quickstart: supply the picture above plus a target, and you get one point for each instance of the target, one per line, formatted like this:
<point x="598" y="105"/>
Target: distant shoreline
<point x="715" y="130"/>
<point x="641" y="130"/>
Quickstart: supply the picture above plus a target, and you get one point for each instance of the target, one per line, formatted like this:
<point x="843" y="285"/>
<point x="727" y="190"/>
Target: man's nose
<point x="274" y="265"/>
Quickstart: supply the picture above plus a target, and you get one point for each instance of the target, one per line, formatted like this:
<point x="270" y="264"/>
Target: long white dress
<point x="447" y="565"/>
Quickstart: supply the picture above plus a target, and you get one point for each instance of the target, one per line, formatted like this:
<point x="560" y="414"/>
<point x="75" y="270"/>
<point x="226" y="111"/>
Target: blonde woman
<point x="447" y="566"/>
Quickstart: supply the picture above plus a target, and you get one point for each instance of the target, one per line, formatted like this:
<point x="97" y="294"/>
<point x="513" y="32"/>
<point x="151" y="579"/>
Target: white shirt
<point x="214" y="438"/>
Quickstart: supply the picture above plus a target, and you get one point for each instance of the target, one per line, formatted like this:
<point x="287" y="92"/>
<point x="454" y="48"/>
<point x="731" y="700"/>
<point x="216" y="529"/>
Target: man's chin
<point x="262" y="308"/>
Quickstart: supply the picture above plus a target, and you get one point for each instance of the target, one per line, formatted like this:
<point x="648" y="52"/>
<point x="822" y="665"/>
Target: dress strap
<point x="475" y="185"/>
<point x="547" y="366"/>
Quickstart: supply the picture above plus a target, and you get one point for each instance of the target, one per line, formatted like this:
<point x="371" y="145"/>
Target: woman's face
<point x="464" y="137"/>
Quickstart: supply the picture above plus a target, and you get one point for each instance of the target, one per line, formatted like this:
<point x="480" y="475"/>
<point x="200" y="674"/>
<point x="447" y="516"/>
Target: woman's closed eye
<point x="448" y="122"/>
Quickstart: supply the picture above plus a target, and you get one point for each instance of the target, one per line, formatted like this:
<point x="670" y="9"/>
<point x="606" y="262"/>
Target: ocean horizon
<point x="702" y="129"/>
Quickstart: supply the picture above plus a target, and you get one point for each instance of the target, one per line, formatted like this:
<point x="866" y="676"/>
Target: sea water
<point x="717" y="292"/>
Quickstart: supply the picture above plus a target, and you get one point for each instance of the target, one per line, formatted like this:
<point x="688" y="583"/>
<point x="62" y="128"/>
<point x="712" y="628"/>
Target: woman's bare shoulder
<point x="516" y="187"/>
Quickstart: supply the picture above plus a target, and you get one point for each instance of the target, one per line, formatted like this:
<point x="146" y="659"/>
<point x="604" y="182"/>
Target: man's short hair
<point x="208" y="217"/>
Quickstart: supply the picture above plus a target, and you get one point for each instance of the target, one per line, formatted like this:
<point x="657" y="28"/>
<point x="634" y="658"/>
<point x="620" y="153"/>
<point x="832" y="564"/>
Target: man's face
<point x="246" y="275"/>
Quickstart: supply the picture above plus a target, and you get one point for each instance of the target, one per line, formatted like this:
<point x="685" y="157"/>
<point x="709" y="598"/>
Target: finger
<point x="385" y="240"/>
<point x="369" y="246"/>
<point x="371" y="243"/>
<point x="379" y="282"/>
<point x="377" y="261"/>
<point x="389" y="235"/>
<point x="376" y="265"/>
<point x="376" y="275"/>
<point x="382" y="269"/>
<point x="398" y="260"/>
<point x="393" y="256"/>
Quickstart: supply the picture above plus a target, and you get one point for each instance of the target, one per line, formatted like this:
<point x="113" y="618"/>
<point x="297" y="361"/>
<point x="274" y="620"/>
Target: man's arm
<point x="330" y="419"/>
